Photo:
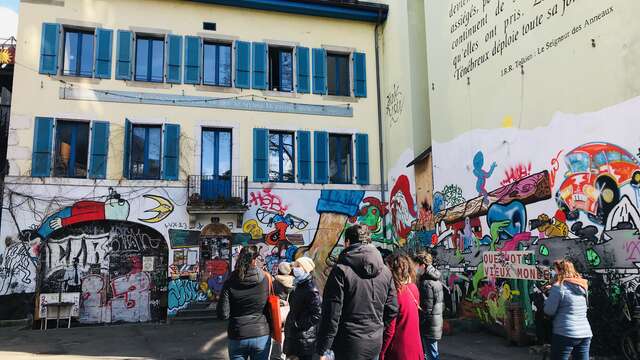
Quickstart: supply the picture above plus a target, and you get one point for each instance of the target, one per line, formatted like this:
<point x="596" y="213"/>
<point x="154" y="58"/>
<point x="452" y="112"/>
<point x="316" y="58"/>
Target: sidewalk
<point x="194" y="341"/>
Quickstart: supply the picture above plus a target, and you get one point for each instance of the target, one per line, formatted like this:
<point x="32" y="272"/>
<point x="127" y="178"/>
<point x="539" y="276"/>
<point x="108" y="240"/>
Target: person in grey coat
<point x="431" y="304"/>
<point x="567" y="304"/>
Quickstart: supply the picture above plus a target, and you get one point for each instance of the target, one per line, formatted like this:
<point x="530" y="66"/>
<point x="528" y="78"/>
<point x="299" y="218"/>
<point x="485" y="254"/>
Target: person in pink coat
<point x="402" y="336"/>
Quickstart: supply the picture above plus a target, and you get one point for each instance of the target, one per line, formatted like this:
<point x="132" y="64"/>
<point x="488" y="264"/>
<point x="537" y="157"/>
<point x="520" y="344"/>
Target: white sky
<point x="8" y="22"/>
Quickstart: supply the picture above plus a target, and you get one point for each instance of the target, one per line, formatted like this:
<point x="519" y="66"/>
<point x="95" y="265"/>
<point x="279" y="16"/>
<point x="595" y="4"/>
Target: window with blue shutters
<point x="149" y="59"/>
<point x="260" y="155"/>
<point x="319" y="71"/>
<point x="72" y="149"/>
<point x="281" y="157"/>
<point x="304" y="83"/>
<point x="359" y="75"/>
<point x="50" y="41"/>
<point x="362" y="159"/>
<point x="243" y="64"/>
<point x="174" y="59"/>
<point x="216" y="68"/>
<point x="259" y="60"/>
<point x="340" y="159"/>
<point x="192" y="59"/>
<point x="171" y="157"/>
<point x="42" y="146"/>
<point x="124" y="55"/>
<point x="321" y="157"/>
<point x="104" y="39"/>
<point x="99" y="150"/>
<point x="146" y="151"/>
<point x="78" y="53"/>
<point x="304" y="157"/>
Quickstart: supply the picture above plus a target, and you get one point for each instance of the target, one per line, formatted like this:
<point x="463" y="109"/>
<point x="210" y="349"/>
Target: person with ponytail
<point x="567" y="304"/>
<point x="402" y="335"/>
<point x="243" y="302"/>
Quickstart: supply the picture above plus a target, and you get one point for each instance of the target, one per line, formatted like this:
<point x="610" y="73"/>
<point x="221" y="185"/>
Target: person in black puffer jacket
<point x="359" y="300"/>
<point x="301" y="328"/>
<point x="243" y="302"/>
<point x="432" y="304"/>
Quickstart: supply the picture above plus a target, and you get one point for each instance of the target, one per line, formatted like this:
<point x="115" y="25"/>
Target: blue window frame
<point x="216" y="64"/>
<point x="281" y="69"/>
<point x="72" y="149"/>
<point x="216" y="152"/>
<point x="340" y="159"/>
<point x="149" y="59"/>
<point x="146" y="151"/>
<point x="281" y="157"/>
<point x="78" y="53"/>
<point x="338" y="75"/>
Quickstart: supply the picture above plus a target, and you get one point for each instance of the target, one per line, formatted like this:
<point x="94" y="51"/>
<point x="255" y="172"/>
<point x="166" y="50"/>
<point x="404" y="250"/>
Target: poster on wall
<point x="512" y="265"/>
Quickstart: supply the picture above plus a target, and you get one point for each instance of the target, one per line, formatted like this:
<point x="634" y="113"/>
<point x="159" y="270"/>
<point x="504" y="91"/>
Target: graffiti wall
<point x="108" y="244"/>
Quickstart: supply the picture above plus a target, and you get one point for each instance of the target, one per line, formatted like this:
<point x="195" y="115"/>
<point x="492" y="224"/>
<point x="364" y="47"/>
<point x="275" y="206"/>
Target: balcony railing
<point x="218" y="191"/>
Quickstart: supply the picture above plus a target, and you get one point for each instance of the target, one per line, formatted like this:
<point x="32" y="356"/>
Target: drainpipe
<point x="381" y="146"/>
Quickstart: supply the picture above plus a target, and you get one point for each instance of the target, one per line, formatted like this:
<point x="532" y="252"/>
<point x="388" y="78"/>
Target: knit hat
<point x="284" y="268"/>
<point x="306" y="264"/>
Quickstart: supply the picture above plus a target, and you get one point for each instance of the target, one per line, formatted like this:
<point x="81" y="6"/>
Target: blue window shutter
<point x="243" y="64"/>
<point x="192" y="59"/>
<point x="321" y="155"/>
<point x="171" y="158"/>
<point x="259" y="66"/>
<point x="362" y="159"/>
<point x="304" y="157"/>
<point x="260" y="155"/>
<point x="49" y="48"/>
<point x="174" y="59"/>
<point x="319" y="71"/>
<point x="104" y="44"/>
<point x="42" y="146"/>
<point x="125" y="48"/>
<point x="126" y="163"/>
<point x="303" y="70"/>
<point x="99" y="150"/>
<point x="359" y="75"/>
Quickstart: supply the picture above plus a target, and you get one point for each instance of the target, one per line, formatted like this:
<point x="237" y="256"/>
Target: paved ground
<point x="192" y="340"/>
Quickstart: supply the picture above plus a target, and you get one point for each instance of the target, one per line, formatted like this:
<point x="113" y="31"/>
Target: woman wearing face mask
<point x="567" y="304"/>
<point x="301" y="327"/>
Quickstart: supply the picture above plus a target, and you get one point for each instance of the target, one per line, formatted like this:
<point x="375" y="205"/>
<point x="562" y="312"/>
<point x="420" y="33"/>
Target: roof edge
<point x="359" y="11"/>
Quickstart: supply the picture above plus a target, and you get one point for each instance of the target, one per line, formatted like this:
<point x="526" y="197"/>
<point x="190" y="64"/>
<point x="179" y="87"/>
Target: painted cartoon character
<point x="403" y="211"/>
<point x="372" y="215"/>
<point x="114" y="208"/>
<point x="556" y="227"/>
<point x="281" y="222"/>
<point x="481" y="175"/>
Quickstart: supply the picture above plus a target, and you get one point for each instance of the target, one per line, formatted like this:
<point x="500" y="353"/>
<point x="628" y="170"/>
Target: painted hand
<point x="55" y="223"/>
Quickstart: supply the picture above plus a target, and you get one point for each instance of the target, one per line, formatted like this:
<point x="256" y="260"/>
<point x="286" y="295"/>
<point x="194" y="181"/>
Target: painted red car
<point x="596" y="171"/>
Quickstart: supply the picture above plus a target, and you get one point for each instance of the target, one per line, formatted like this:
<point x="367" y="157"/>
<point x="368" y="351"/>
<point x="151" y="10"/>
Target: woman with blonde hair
<point x="432" y="303"/>
<point x="401" y="339"/>
<point x="567" y="304"/>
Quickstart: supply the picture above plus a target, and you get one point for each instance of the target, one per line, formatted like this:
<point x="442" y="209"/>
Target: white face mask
<point x="420" y="271"/>
<point x="299" y="274"/>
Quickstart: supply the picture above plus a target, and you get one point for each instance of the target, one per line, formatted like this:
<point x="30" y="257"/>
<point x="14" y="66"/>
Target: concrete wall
<point x="518" y="89"/>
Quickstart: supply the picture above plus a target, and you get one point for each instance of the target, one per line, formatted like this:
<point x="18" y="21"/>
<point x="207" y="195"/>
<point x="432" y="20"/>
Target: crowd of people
<point x="370" y="308"/>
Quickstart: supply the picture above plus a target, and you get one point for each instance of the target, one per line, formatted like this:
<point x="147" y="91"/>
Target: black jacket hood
<point x="253" y="277"/>
<point x="364" y="259"/>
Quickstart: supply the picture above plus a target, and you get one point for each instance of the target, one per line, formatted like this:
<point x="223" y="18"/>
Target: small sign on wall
<point x="147" y="263"/>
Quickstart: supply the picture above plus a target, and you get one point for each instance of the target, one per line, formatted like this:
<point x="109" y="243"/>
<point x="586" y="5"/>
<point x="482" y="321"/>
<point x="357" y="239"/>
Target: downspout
<point x="380" y="128"/>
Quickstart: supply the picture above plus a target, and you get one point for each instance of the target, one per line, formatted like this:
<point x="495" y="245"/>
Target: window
<point x="280" y="69"/>
<point x="149" y="59"/>
<point x="216" y="152"/>
<point x="72" y="149"/>
<point x="338" y="74"/>
<point x="217" y="64"/>
<point x="78" y="53"/>
<point x="281" y="157"/>
<point x="340" y="159"/>
<point x="146" y="152"/>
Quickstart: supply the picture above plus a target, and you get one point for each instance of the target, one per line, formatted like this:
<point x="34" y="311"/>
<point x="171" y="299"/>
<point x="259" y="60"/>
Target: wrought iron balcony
<point x="211" y="192"/>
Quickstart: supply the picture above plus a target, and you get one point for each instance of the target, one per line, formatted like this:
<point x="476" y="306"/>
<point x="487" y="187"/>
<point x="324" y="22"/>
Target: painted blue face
<point x="515" y="212"/>
<point x="478" y="160"/>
